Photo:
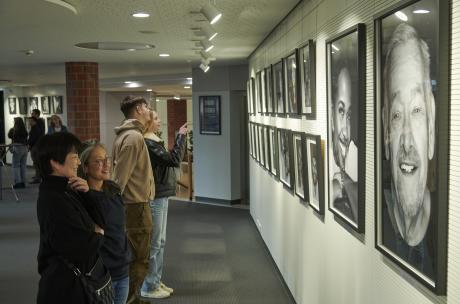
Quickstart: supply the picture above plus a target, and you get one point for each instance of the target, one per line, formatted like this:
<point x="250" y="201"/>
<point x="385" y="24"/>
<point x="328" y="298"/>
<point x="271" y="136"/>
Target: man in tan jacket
<point x="133" y="173"/>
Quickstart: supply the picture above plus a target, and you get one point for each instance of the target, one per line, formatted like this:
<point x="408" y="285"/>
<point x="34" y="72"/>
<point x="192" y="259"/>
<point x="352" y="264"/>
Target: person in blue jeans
<point x="115" y="251"/>
<point x="18" y="135"/>
<point x="163" y="164"/>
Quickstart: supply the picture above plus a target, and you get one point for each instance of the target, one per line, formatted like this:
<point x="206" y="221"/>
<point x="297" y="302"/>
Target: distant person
<point x="163" y="164"/>
<point x="133" y="173"/>
<point x="35" y="133"/>
<point x="56" y="125"/>
<point x="18" y="135"/>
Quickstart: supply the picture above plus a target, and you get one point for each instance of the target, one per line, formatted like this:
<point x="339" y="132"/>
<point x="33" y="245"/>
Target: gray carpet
<point x="213" y="254"/>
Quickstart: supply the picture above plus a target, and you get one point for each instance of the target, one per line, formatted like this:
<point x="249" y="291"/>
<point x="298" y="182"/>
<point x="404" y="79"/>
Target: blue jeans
<point x="159" y="208"/>
<point x="19" y="163"/>
<point x="120" y="290"/>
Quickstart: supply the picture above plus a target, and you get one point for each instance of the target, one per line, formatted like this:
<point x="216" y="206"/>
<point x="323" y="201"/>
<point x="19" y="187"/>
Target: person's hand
<point x="183" y="129"/>
<point x="78" y="184"/>
<point x="98" y="229"/>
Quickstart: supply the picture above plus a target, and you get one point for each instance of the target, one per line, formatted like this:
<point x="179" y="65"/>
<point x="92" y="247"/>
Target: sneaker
<point x="164" y="287"/>
<point x="158" y="293"/>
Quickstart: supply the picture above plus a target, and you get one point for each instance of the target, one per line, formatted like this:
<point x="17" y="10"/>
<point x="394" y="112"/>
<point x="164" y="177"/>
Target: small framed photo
<point x="273" y="145"/>
<point x="278" y="88"/>
<point x="307" y="64"/>
<point x="315" y="173"/>
<point x="57" y="105"/>
<point x="269" y="89"/>
<point x="22" y="105"/>
<point x="300" y="165"/>
<point x="210" y="115"/>
<point x="256" y="142"/>
<point x="12" y="105"/>
<point x="285" y="158"/>
<point x="261" y="145"/>
<point x="46" y="104"/>
<point x="291" y="76"/>
<point x="267" y="148"/>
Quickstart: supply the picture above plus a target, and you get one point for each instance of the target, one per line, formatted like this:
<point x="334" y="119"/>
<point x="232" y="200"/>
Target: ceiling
<point x="52" y="31"/>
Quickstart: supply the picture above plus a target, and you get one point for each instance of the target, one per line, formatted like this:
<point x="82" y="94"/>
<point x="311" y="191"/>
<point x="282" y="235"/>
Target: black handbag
<point x="97" y="283"/>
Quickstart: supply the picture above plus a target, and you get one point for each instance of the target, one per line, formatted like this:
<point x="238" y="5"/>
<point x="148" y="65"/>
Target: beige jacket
<point x="131" y="164"/>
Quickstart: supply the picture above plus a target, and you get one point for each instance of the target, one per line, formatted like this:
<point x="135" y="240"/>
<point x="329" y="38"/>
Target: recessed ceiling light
<point x="141" y="15"/>
<point x="187" y="87"/>
<point x="131" y="50"/>
<point x="401" y="16"/>
<point x="421" y="11"/>
<point x="164" y="55"/>
<point x="128" y="82"/>
<point x="157" y="100"/>
<point x="149" y="90"/>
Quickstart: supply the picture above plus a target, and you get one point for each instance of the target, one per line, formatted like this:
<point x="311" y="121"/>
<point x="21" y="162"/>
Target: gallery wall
<point x="321" y="259"/>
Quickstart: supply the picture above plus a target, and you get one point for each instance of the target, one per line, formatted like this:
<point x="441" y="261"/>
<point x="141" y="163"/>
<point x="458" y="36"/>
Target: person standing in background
<point x="56" y="125"/>
<point x="37" y="130"/>
<point x="18" y="135"/>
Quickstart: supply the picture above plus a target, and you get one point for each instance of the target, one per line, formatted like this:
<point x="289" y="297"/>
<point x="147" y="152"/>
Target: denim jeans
<point x="159" y="209"/>
<point x="120" y="290"/>
<point x="19" y="163"/>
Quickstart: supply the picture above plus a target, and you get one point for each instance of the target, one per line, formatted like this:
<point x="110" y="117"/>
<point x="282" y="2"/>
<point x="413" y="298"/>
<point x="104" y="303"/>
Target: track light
<point x="209" y="32"/>
<point x="204" y="67"/>
<point x="211" y="13"/>
<point x="207" y="46"/>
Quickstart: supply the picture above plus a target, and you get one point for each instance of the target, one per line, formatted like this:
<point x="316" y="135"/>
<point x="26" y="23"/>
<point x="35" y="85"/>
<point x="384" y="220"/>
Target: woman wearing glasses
<point x="95" y="168"/>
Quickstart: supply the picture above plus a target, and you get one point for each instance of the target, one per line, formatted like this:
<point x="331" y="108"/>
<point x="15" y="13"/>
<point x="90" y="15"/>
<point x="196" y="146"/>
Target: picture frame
<point x="23" y="105"/>
<point x="273" y="144"/>
<point x="12" y="106"/>
<point x="33" y="104"/>
<point x="420" y="165"/>
<point x="307" y="63"/>
<point x="267" y="148"/>
<point x="210" y="115"/>
<point x="291" y="83"/>
<point x="249" y="96"/>
<point x="278" y="88"/>
<point x="253" y="96"/>
<point x="57" y="104"/>
<point x="45" y="103"/>
<point x="261" y="146"/>
<point x="256" y="142"/>
<point x="263" y="105"/>
<point x="315" y="172"/>
<point x="285" y="158"/>
<point x="269" y="90"/>
<point x="300" y="165"/>
<point x="250" y="138"/>
<point x="346" y="112"/>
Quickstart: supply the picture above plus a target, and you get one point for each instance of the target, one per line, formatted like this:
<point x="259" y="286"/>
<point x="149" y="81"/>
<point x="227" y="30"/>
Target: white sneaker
<point x="164" y="287"/>
<point x="158" y="293"/>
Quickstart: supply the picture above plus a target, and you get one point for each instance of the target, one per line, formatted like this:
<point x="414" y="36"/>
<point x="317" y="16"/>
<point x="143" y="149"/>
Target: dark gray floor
<point x="213" y="254"/>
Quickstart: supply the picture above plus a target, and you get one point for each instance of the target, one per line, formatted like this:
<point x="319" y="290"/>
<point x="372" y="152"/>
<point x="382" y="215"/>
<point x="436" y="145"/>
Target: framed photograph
<point x="278" y="87"/>
<point x="300" y="165"/>
<point x="12" y="105"/>
<point x="285" y="158"/>
<point x="45" y="104"/>
<point x="315" y="173"/>
<point x="249" y="96"/>
<point x="346" y="74"/>
<point x="210" y="115"/>
<point x="250" y="138"/>
<point x="22" y="105"/>
<point x="33" y="104"/>
<point x="267" y="148"/>
<point x="269" y="89"/>
<point x="273" y="145"/>
<point x="57" y="105"/>
<point x="261" y="145"/>
<point x="256" y="142"/>
<point x="263" y="101"/>
<point x="412" y="138"/>
<point x="48" y="123"/>
<point x="291" y="76"/>
<point x="260" y="108"/>
<point x="307" y="64"/>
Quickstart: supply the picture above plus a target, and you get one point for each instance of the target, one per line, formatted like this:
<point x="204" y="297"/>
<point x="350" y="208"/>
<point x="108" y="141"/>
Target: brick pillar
<point x="177" y="116"/>
<point x="82" y="86"/>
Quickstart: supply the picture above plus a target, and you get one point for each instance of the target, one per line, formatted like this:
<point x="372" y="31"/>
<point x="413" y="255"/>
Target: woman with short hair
<point x="56" y="125"/>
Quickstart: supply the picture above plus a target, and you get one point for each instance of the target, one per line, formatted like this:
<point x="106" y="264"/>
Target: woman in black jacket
<point x="163" y="163"/>
<point x="71" y="226"/>
<point x="18" y="135"/>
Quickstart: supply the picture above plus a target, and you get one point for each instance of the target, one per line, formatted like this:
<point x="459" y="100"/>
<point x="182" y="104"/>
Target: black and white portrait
<point x="45" y="103"/>
<point x="307" y="79"/>
<point x="250" y="138"/>
<point x="299" y="164"/>
<point x="248" y="96"/>
<point x="263" y="104"/>
<point x="315" y="197"/>
<point x="12" y="105"/>
<point x="266" y="148"/>
<point x="269" y="89"/>
<point x="290" y="72"/>
<point x="413" y="156"/>
<point x="273" y="151"/>
<point x="278" y="87"/>
<point x="285" y="158"/>
<point x="344" y="123"/>
<point x="33" y="103"/>
<point x="22" y="105"/>
<point x="261" y="145"/>
<point x="57" y="105"/>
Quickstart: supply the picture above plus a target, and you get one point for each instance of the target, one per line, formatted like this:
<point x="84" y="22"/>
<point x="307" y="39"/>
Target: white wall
<point x="322" y="262"/>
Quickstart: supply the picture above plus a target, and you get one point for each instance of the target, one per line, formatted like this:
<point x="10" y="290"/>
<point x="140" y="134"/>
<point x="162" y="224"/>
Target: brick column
<point x="82" y="86"/>
<point x="177" y="116"/>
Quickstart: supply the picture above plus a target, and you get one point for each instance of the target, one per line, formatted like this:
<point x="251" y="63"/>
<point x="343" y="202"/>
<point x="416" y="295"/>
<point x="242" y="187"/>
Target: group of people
<point x="23" y="142"/>
<point x="101" y="214"/>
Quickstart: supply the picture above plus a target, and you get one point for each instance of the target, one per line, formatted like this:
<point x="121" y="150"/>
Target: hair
<point x="58" y="118"/>
<point x="19" y="125"/>
<point x="36" y="111"/>
<point x="128" y="104"/>
<point x="88" y="148"/>
<point x="55" y="147"/>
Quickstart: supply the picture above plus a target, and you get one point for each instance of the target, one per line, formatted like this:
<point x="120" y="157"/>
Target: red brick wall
<point x="82" y="84"/>
<point x="177" y="116"/>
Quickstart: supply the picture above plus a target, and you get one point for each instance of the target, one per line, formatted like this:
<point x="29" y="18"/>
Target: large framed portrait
<point x="258" y="93"/>
<point x="261" y="145"/>
<point x="57" y="105"/>
<point x="33" y="104"/>
<point x="300" y="165"/>
<point x="278" y="87"/>
<point x="255" y="149"/>
<point x="12" y="105"/>
<point x="273" y="143"/>
<point x="45" y="104"/>
<point x="263" y="104"/>
<point x="291" y="76"/>
<point x="256" y="142"/>
<point x="22" y="101"/>
<point x="267" y="148"/>
<point x="269" y="89"/>
<point x="346" y="55"/>
<point x="315" y="173"/>
<point x="412" y="138"/>
<point x="210" y="115"/>
<point x="285" y="158"/>
<point x="307" y="92"/>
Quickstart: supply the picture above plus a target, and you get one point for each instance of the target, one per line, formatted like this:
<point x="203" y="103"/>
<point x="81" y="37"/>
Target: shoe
<point x="19" y="186"/>
<point x="158" y="293"/>
<point x="164" y="287"/>
<point x="35" y="181"/>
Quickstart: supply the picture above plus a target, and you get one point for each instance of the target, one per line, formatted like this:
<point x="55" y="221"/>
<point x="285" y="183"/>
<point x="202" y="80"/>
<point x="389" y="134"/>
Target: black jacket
<point x="163" y="163"/>
<point x="37" y="131"/>
<point x="67" y="221"/>
<point x="17" y="136"/>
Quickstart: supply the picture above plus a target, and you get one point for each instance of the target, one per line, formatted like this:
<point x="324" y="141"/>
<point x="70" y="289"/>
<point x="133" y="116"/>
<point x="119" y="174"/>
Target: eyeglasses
<point x="103" y="162"/>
